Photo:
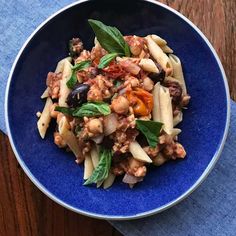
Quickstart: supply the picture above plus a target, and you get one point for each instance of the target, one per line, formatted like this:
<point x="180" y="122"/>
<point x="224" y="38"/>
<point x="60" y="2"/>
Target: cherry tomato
<point x="141" y="101"/>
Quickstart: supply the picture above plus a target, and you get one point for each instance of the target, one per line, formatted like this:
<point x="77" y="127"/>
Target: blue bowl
<point x="204" y="128"/>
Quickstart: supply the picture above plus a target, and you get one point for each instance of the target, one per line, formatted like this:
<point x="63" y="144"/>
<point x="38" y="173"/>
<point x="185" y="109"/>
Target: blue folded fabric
<point x="210" y="210"/>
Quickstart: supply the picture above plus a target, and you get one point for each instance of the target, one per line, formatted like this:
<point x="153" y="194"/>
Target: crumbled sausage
<point x="136" y="168"/>
<point x="76" y="46"/>
<point x="53" y="82"/>
<point x="136" y="44"/>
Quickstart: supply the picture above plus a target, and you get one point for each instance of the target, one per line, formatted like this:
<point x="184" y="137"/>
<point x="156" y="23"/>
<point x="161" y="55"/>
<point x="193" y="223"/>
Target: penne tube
<point x="178" y="71"/>
<point x="45" y="118"/>
<point x="99" y="183"/>
<point x="60" y="64"/>
<point x="178" y="118"/>
<point x="158" y="40"/>
<point x="138" y="152"/>
<point x="45" y="93"/>
<point x="94" y="156"/>
<point x="156" y="112"/>
<point x="166" y="109"/>
<point x="166" y="49"/>
<point x="109" y="180"/>
<point x="88" y="166"/>
<point x="68" y="136"/>
<point x="64" y="90"/>
<point x="148" y="65"/>
<point x="175" y="132"/>
<point x="159" y="55"/>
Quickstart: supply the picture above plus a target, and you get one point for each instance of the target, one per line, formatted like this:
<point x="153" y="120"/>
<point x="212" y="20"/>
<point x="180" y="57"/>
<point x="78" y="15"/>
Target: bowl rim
<point x="145" y="213"/>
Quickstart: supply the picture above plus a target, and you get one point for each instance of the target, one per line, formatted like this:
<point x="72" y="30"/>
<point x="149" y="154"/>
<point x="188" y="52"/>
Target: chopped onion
<point x="98" y="139"/>
<point x="131" y="179"/>
<point x="130" y="66"/>
<point x="110" y="124"/>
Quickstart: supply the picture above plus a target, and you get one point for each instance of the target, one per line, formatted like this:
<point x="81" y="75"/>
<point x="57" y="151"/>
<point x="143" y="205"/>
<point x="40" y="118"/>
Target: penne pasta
<point x="60" y="64"/>
<point x="45" y="118"/>
<point x="99" y="183"/>
<point x="156" y="112"/>
<point x="166" y="49"/>
<point x="178" y="118"/>
<point x="158" y="40"/>
<point x="166" y="109"/>
<point x="178" y="71"/>
<point x="159" y="55"/>
<point x="148" y="65"/>
<point x="45" y="93"/>
<point x="138" y="153"/>
<point x="94" y="156"/>
<point x="175" y="132"/>
<point x="88" y="166"/>
<point x="64" y="90"/>
<point x="109" y="180"/>
<point x="68" y="136"/>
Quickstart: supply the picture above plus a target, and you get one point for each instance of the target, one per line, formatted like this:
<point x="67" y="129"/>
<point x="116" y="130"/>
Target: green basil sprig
<point x="93" y="109"/>
<point x="150" y="129"/>
<point x="65" y="110"/>
<point x="101" y="172"/>
<point x="87" y="109"/>
<point x="77" y="67"/>
<point x="110" y="38"/>
<point x="105" y="60"/>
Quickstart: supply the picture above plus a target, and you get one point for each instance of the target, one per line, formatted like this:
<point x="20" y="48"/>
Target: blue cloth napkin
<point x="210" y="210"/>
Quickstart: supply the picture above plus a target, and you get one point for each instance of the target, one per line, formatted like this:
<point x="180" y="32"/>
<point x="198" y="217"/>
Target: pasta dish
<point x="116" y="106"/>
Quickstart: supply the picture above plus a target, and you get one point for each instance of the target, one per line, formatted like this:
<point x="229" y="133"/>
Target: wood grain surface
<point x="24" y="210"/>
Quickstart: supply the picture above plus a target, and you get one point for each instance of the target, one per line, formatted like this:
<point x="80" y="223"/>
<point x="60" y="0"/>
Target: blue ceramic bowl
<point x="204" y="128"/>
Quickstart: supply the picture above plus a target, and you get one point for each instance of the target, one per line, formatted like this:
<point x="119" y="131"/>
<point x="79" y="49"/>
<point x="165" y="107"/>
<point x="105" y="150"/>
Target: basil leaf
<point x="72" y="81"/>
<point x="105" y="60"/>
<point x="102" y="170"/>
<point x="110" y="38"/>
<point x="81" y="65"/>
<point x="93" y="109"/>
<point x="77" y="67"/>
<point x="65" y="110"/>
<point x="150" y="129"/>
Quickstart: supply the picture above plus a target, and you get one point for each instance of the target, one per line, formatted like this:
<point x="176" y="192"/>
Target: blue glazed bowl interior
<point x="56" y="171"/>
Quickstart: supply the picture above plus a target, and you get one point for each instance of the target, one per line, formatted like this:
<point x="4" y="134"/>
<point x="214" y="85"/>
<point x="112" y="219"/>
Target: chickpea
<point x="179" y="151"/>
<point x="120" y="105"/>
<point x="95" y="126"/>
<point x="133" y="81"/>
<point x="54" y="113"/>
<point x="147" y="84"/>
<point x="141" y="171"/>
<point x="58" y="140"/>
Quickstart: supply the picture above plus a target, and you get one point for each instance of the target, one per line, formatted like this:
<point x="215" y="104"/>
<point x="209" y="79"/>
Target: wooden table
<point x="24" y="210"/>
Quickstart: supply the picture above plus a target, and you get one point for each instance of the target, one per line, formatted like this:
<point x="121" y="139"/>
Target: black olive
<point x="78" y="96"/>
<point x="157" y="77"/>
<point x="175" y="91"/>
